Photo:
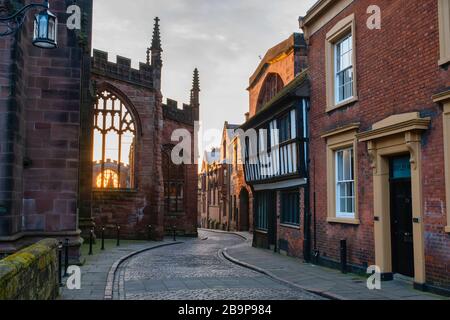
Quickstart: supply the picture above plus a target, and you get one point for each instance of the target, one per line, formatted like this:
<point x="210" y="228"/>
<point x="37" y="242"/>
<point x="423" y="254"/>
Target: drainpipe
<point x="307" y="211"/>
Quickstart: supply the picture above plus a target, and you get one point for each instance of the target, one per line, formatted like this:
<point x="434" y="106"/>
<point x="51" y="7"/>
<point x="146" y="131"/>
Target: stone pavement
<point x="220" y="266"/>
<point x="324" y="281"/>
<point x="195" y="270"/>
<point x="94" y="273"/>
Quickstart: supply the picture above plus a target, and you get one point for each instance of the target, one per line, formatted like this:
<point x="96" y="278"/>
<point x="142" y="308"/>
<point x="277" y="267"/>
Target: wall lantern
<point x="45" y="30"/>
<point x="45" y="25"/>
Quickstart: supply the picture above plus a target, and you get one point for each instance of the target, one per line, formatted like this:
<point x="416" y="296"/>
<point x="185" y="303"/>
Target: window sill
<point x="342" y="104"/>
<point x="261" y="232"/>
<point x="344" y="221"/>
<point x="290" y="226"/>
<point x="447" y="229"/>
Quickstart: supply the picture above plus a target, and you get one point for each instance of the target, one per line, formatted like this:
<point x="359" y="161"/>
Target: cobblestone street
<point x="195" y="270"/>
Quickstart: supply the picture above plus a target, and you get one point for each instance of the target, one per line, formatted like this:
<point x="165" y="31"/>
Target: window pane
<point x="342" y="205"/>
<point x="345" y="186"/>
<point x="347" y="165"/>
<point x="350" y="205"/>
<point x="343" y="69"/>
<point x="290" y="207"/>
<point x="114" y="141"/>
<point x="340" y="166"/>
<point x="342" y="190"/>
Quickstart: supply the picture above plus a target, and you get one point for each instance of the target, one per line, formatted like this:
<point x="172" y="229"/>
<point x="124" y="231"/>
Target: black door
<point x="243" y="210"/>
<point x="401" y="217"/>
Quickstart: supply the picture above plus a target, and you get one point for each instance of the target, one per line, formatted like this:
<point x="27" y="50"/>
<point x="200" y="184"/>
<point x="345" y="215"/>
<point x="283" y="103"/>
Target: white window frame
<point x="337" y="72"/>
<point x="340" y="214"/>
<point x="339" y="32"/>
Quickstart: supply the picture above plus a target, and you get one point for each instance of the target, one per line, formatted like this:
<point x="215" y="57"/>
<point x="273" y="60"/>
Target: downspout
<point x="307" y="162"/>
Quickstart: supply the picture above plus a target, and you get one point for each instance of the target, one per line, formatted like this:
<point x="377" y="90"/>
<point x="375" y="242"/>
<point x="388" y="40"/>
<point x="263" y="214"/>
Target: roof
<point x="232" y="126"/>
<point x="295" y="40"/>
<point x="289" y="90"/>
<point x="317" y="9"/>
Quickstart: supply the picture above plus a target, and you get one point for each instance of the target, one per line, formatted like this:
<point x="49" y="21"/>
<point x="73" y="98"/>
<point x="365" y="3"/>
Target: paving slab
<point x="319" y="279"/>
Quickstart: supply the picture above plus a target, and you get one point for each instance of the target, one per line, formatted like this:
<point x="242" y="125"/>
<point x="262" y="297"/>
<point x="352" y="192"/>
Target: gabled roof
<point x="277" y="52"/>
<point x="232" y="126"/>
<point x="289" y="91"/>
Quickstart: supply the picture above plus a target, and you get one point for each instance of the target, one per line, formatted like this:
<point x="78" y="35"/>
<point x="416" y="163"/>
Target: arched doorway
<point x="243" y="222"/>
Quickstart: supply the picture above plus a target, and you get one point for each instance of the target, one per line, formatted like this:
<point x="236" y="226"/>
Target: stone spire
<point x="148" y="55"/>
<point x="155" y="49"/>
<point x="195" y="95"/>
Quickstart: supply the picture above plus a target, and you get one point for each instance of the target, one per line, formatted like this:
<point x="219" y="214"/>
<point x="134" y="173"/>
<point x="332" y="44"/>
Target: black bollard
<point x="66" y="257"/>
<point x="91" y="240"/>
<point x="118" y="236"/>
<point x="149" y="232"/>
<point x="174" y="233"/>
<point x="103" y="238"/>
<point x="344" y="256"/>
<point x="60" y="247"/>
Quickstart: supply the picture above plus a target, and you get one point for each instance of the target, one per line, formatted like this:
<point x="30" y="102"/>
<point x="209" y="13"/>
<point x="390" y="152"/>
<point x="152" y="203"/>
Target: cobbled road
<point x="195" y="270"/>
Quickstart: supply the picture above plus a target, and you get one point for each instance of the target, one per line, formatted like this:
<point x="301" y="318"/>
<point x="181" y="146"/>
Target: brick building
<point x="226" y="200"/>
<point x="209" y="211"/>
<point x="85" y="142"/>
<point x="379" y="125"/>
<point x="240" y="195"/>
<point x="275" y="156"/>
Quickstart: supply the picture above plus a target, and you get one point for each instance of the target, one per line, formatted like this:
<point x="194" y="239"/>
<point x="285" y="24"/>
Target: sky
<point x="224" y="39"/>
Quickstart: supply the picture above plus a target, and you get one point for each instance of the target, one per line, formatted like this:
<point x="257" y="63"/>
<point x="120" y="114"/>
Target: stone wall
<point x="31" y="274"/>
<point x="182" y="119"/>
<point x="39" y="135"/>
<point x="137" y="208"/>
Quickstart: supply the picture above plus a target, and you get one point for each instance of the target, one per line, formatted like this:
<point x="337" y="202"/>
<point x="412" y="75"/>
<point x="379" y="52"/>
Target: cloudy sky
<point x="222" y="38"/>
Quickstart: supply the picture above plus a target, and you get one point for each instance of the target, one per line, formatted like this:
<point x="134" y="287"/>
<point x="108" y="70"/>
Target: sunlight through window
<point x="114" y="143"/>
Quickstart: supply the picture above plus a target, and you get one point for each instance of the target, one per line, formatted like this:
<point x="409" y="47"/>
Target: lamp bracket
<point x="10" y="24"/>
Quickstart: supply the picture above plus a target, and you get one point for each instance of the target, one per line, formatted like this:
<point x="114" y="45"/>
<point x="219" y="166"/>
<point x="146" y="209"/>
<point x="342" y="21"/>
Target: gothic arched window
<point x="173" y="183"/>
<point x="272" y="85"/>
<point x="114" y="143"/>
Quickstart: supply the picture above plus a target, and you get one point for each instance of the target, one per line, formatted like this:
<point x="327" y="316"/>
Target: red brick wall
<point x="397" y="72"/>
<point x="284" y="68"/>
<point x="293" y="235"/>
